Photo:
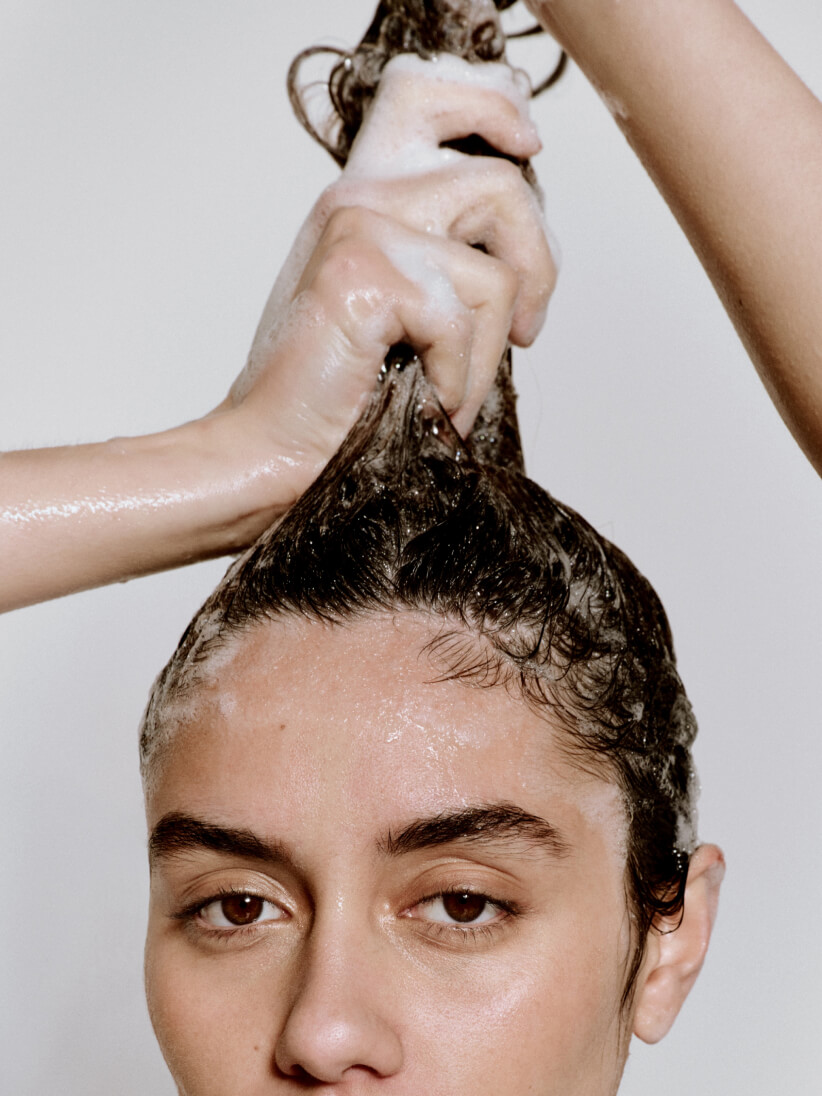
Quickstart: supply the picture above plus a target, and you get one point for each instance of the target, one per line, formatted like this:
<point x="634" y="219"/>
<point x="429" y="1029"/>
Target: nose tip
<point x="335" y="1027"/>
<point x="329" y="1051"/>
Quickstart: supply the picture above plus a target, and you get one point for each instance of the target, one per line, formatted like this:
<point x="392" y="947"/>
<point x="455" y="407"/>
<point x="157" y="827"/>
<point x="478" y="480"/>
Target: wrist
<point x="236" y="487"/>
<point x="247" y="478"/>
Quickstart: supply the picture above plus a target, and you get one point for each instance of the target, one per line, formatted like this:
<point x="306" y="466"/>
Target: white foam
<point x="388" y="147"/>
<point x="414" y="262"/>
<point x="277" y="306"/>
<point x="446" y="67"/>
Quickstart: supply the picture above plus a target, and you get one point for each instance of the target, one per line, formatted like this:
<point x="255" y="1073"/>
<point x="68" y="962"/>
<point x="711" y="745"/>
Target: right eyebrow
<point x="176" y="834"/>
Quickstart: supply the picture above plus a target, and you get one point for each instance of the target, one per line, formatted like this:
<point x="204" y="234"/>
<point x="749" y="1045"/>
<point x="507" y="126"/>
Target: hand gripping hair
<point x="526" y="595"/>
<point x="467" y="28"/>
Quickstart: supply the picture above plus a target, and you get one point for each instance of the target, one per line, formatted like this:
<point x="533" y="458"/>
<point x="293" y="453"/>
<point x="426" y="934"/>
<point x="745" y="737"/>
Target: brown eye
<point x="242" y="909"/>
<point x="460" y="908"/>
<point x="239" y="910"/>
<point x="464" y="907"/>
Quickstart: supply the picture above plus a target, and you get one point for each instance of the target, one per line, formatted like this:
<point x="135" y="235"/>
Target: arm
<point x="81" y="516"/>
<point x="383" y="258"/>
<point x="733" y="140"/>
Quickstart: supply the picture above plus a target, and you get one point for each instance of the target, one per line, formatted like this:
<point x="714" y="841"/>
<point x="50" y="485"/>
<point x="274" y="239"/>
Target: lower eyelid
<point x="454" y="936"/>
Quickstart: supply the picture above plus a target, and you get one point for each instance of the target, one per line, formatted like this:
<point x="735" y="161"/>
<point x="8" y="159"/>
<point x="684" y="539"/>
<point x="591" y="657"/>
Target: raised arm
<point x="733" y="140"/>
<point x="383" y="258"/>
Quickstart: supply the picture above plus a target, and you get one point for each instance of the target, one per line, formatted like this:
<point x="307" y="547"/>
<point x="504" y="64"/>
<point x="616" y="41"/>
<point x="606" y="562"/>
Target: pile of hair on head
<point x="525" y="594"/>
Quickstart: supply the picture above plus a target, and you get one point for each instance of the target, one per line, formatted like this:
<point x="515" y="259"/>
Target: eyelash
<point x="468" y="933"/>
<point x="439" y="930"/>
<point x="190" y="915"/>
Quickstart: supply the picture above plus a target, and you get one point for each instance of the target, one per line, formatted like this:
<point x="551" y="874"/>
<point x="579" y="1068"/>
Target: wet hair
<point x="468" y="28"/>
<point x="525" y="594"/>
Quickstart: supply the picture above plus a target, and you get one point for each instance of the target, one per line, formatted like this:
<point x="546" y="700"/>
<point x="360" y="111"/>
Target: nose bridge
<point x="341" y="940"/>
<point x="339" y="1016"/>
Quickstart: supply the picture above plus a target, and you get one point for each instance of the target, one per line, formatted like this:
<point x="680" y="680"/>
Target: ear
<point x="675" y="955"/>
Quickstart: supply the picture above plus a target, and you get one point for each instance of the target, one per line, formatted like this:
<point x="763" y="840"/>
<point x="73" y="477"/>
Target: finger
<point x="461" y="322"/>
<point x="489" y="287"/>
<point x="451" y="97"/>
<point x="422" y="104"/>
<point x="381" y="283"/>
<point x="500" y="212"/>
<point x="481" y="201"/>
<point x="485" y="203"/>
<point x="443" y="338"/>
<point x="437" y="320"/>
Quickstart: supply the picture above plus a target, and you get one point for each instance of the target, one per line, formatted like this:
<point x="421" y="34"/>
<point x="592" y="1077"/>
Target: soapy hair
<point x="527" y="595"/>
<point x="470" y="29"/>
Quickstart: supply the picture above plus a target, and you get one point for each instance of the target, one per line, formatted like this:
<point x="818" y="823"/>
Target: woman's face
<point x="365" y="879"/>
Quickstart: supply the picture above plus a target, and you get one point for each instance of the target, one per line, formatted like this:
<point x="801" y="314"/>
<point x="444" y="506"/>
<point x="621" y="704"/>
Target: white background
<point x="151" y="179"/>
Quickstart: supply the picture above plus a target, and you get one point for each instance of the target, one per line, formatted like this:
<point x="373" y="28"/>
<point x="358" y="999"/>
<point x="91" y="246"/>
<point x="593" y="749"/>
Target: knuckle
<point x="499" y="186"/>
<point x="348" y="263"/>
<point x="342" y="193"/>
<point x="545" y="279"/>
<point x="502" y="282"/>
<point x="505" y="174"/>
<point x="507" y="280"/>
<point x="349" y="222"/>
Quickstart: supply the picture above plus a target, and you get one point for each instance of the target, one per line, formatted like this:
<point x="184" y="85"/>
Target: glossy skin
<point x="82" y="516"/>
<point x="354" y="973"/>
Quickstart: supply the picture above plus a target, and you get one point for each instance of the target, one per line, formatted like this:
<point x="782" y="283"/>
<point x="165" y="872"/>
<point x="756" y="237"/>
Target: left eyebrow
<point x="485" y="824"/>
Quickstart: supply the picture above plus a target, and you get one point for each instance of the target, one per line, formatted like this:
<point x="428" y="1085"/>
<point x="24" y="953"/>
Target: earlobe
<point x="677" y="956"/>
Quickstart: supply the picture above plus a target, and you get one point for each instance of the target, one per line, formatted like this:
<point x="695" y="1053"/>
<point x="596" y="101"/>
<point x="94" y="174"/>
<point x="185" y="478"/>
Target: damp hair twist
<point x="470" y="29"/>
<point x="528" y="596"/>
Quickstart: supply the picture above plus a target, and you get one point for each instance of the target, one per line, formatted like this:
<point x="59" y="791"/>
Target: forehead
<point x="306" y="721"/>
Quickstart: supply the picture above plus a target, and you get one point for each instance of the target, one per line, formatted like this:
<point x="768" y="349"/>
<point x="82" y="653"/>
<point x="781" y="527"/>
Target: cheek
<point x="542" y="1018"/>
<point x="213" y="1024"/>
<point x="525" y="1020"/>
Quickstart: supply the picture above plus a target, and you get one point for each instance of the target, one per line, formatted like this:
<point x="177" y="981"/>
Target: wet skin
<point x="367" y="880"/>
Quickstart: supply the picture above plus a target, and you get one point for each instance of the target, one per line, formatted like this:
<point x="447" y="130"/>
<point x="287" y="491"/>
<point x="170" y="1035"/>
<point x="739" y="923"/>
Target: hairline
<point x="192" y="675"/>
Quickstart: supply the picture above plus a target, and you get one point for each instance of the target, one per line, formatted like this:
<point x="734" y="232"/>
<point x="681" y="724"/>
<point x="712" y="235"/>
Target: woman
<point x="654" y="504"/>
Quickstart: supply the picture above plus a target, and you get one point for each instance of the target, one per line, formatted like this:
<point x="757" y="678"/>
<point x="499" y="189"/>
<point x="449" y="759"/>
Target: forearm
<point x="385" y="258"/>
<point x="82" y="516"/>
<point x="733" y="140"/>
